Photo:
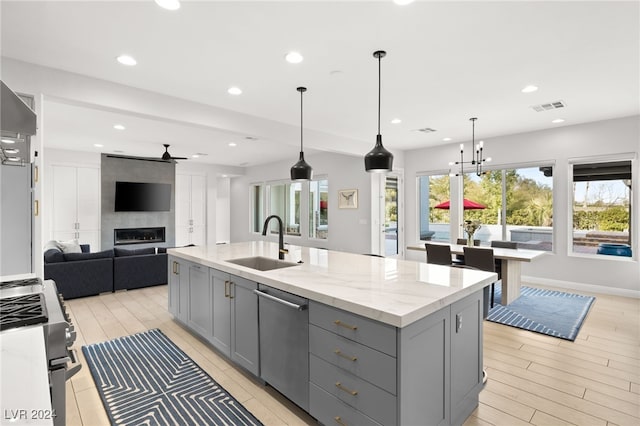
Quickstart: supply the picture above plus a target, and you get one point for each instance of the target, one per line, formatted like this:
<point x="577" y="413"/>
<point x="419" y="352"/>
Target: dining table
<point x="510" y="262"/>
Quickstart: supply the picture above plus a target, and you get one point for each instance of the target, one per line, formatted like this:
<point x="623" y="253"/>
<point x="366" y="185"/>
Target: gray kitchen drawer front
<point x="371" y="333"/>
<point x="376" y="403"/>
<point x="362" y="361"/>
<point x="330" y="411"/>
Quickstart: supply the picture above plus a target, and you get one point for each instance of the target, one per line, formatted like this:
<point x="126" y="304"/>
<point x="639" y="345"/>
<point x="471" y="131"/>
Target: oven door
<point x="61" y="370"/>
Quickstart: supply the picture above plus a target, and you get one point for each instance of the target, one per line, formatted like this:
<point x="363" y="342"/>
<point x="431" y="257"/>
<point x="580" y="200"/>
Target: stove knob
<point x="70" y="336"/>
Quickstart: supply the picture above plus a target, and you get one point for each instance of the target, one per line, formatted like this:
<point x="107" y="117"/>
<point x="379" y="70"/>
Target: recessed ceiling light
<point x="195" y="156"/>
<point x="119" y="127"/>
<point x="529" y="89"/>
<point x="402" y="2"/>
<point x="8" y="141"/>
<point x="558" y="120"/>
<point x="446" y="139"/>
<point x="396" y="121"/>
<point x="234" y="90"/>
<point x="168" y="4"/>
<point x="11" y="151"/>
<point x="127" y="60"/>
<point x="232" y="144"/>
<point x="294" y="57"/>
<point x="224" y="176"/>
<point x="98" y="145"/>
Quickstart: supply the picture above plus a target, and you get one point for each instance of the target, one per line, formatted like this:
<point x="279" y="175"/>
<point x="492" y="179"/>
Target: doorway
<point x="387" y="237"/>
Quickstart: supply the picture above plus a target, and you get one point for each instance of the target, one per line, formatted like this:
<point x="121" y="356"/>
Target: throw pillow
<point x="105" y="254"/>
<point x="70" y="246"/>
<point x="53" y="244"/>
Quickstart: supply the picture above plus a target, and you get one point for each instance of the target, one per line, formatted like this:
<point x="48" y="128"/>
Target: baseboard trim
<point x="613" y="291"/>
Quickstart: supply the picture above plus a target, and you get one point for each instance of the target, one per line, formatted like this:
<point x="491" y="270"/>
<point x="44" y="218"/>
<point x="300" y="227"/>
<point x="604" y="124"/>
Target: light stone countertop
<point x="396" y="292"/>
<point x="24" y="389"/>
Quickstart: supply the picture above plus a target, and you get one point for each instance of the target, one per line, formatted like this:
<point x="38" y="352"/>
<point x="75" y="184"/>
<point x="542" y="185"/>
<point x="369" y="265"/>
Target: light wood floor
<point x="533" y="379"/>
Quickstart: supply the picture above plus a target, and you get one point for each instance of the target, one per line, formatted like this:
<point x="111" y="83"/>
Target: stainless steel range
<point x="32" y="302"/>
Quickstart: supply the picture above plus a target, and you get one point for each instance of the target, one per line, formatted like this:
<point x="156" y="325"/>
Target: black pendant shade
<point x="301" y="171"/>
<point x="378" y="160"/>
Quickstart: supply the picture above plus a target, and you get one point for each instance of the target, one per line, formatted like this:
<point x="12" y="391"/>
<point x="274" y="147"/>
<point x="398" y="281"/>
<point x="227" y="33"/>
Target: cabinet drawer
<point x="371" y="333"/>
<point x="360" y="394"/>
<point x="362" y="361"/>
<point x="330" y="411"/>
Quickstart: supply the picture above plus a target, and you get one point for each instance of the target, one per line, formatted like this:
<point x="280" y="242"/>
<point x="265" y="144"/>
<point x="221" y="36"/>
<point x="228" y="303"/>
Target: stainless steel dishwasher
<point x="284" y="343"/>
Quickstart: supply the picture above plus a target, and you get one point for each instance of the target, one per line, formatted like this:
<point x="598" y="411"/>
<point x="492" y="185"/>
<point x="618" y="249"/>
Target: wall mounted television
<point x="143" y="197"/>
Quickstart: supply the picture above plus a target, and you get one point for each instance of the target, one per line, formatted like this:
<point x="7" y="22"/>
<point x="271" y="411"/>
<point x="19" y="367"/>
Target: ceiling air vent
<point x="425" y="130"/>
<point x="548" y="106"/>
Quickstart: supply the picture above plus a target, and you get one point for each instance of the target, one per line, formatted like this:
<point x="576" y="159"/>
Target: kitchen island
<point x="391" y="342"/>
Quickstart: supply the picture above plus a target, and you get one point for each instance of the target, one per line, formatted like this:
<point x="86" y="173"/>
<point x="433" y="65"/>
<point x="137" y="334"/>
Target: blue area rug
<point x="550" y="312"/>
<point x="146" y="379"/>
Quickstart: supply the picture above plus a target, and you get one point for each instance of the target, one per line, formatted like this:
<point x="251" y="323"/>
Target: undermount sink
<point x="261" y="263"/>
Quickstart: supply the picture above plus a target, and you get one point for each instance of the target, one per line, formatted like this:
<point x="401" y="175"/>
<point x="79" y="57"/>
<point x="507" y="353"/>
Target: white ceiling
<point x="446" y="62"/>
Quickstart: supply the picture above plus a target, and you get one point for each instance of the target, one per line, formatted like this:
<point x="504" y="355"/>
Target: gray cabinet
<point x="352" y="360"/>
<point x="364" y="371"/>
<point x="234" y="313"/>
<point x="199" y="312"/>
<point x="221" y="311"/>
<point x="179" y="288"/>
<point x="244" y="324"/>
<point x="466" y="356"/>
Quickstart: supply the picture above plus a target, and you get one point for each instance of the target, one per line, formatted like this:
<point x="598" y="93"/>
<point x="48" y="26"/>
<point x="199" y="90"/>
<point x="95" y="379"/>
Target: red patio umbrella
<point x="467" y="205"/>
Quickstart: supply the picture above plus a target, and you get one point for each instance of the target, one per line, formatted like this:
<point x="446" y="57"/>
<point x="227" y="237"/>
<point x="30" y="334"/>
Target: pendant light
<point x="301" y="171"/>
<point x="378" y="160"/>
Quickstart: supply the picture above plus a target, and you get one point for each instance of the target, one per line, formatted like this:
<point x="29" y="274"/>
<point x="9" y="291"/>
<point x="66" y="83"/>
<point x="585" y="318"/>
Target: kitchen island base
<point x="362" y="371"/>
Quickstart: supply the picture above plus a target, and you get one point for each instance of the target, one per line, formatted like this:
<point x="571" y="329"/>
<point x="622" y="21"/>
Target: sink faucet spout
<point x="281" y="249"/>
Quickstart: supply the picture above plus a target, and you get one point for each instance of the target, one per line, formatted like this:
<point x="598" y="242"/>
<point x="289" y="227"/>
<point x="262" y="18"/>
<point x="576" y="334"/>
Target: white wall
<point x="349" y="229"/>
<point x="604" y="138"/>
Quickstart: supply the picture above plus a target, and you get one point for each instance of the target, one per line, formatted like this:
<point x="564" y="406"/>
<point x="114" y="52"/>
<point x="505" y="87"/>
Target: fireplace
<point x="138" y="235"/>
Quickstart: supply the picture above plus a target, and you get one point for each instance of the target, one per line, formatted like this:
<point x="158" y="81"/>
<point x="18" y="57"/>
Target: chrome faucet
<point x="281" y="249"/>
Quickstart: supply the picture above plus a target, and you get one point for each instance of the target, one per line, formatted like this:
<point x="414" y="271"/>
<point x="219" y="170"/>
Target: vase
<point x="470" y="240"/>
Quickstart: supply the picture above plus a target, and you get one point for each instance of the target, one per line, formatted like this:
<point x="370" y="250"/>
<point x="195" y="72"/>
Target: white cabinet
<point x="190" y="209"/>
<point x="76" y="204"/>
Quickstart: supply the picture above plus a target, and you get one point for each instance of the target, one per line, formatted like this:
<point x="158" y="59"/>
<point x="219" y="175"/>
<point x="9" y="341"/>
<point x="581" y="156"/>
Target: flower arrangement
<point x="470" y="227"/>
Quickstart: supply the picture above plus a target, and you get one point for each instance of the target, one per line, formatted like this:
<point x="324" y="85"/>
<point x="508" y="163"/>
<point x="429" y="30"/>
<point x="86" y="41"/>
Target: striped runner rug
<point x="550" y="312"/>
<point x="146" y="379"/>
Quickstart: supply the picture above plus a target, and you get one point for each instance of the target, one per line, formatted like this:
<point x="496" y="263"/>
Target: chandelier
<point x="477" y="157"/>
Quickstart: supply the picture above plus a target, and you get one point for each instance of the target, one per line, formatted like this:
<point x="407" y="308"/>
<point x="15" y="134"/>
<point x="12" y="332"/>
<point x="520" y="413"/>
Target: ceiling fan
<point x="167" y="156"/>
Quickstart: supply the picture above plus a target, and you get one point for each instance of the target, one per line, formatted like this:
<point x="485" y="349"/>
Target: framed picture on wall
<point x="348" y="199"/>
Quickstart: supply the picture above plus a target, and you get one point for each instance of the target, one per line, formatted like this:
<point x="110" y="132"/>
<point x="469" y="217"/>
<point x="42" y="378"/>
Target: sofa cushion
<point x="85" y="256"/>
<point x="53" y="255"/>
<point x="134" y="252"/>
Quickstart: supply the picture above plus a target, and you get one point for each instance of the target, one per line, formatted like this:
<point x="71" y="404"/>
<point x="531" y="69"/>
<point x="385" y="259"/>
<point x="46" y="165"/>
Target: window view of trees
<point x="602" y="208"/>
<point x="434" y="223"/>
<point x="527" y="216"/>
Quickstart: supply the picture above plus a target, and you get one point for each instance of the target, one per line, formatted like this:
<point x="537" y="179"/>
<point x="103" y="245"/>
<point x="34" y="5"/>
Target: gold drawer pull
<point x="341" y="324"/>
<point x="349" y="391"/>
<point x="350" y="358"/>
<point x="339" y="421"/>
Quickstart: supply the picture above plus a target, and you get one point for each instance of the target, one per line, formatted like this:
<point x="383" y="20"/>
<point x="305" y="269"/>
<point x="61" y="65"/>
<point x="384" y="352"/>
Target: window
<point x="319" y="209"/>
<point x="257" y="207"/>
<point x="529" y="207"/>
<point x="434" y="223"/>
<point x="601" y="208"/>
<point x="518" y="206"/>
<point x="284" y="201"/>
